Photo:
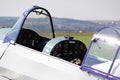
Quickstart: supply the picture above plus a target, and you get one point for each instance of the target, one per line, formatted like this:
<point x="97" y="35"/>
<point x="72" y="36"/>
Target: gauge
<point x="70" y="50"/>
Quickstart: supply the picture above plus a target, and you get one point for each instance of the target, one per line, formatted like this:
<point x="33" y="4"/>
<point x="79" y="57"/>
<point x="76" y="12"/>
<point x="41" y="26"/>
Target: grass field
<point x="85" y="37"/>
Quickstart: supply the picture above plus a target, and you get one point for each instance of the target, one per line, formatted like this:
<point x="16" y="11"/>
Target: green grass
<point x="85" y="37"/>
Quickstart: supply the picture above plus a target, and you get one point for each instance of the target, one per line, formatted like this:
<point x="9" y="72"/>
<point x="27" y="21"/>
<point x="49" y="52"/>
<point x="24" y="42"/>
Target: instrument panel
<point x="70" y="50"/>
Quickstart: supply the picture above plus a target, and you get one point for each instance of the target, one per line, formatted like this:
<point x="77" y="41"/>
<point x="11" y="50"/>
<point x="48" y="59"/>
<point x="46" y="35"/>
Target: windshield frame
<point x="12" y="35"/>
<point x="98" y="72"/>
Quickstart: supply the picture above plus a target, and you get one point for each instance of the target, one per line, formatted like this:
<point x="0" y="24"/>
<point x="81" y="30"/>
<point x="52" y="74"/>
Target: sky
<point x="75" y="9"/>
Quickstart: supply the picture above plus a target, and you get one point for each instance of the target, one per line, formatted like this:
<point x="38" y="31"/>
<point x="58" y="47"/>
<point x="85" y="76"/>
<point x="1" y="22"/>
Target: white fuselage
<point x="22" y="63"/>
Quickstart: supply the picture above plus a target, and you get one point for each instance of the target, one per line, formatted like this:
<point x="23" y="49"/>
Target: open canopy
<point x="103" y="55"/>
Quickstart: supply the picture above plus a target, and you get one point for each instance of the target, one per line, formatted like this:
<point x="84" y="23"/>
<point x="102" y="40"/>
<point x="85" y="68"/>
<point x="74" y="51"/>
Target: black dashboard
<point x="68" y="49"/>
<point x="65" y="48"/>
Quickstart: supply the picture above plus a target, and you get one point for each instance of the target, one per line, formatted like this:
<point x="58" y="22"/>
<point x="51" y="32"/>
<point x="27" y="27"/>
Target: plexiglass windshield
<point x="38" y="21"/>
<point x="104" y="51"/>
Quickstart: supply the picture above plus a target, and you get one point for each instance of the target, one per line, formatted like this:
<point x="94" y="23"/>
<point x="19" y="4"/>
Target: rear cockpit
<point x="37" y="29"/>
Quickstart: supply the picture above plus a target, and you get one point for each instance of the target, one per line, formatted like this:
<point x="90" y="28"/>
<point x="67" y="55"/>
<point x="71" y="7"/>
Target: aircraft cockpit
<point x="35" y="30"/>
<point x="31" y="48"/>
<point x="103" y="55"/>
